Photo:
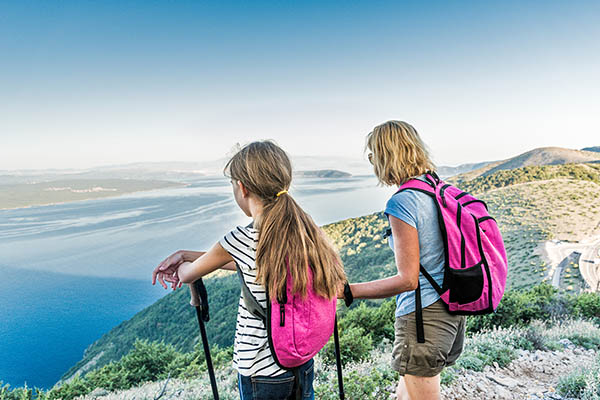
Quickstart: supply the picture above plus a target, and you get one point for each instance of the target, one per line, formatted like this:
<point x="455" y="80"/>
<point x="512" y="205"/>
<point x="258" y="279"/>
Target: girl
<point x="398" y="154"/>
<point x="261" y="174"/>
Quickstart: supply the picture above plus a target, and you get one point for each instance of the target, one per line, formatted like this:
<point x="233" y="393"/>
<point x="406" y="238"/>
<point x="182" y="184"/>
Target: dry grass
<point x="530" y="213"/>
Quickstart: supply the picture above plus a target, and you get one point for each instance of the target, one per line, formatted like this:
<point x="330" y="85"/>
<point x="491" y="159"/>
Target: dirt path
<point x="533" y="376"/>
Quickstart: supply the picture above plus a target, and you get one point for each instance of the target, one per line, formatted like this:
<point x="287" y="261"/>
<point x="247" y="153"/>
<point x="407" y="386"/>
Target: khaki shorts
<point x="444" y="338"/>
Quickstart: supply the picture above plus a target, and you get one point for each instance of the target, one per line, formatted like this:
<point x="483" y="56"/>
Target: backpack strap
<point x="431" y="280"/>
<point x="418" y="306"/>
<point x="420" y="185"/>
<point x="252" y="304"/>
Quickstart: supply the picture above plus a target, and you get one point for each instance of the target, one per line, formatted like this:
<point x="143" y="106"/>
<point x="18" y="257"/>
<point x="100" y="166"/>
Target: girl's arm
<point x="208" y="262"/>
<point x="406" y="254"/>
<point x="191" y="256"/>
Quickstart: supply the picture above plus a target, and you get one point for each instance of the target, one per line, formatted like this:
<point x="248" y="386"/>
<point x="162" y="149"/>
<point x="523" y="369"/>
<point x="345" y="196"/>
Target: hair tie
<point x="280" y="193"/>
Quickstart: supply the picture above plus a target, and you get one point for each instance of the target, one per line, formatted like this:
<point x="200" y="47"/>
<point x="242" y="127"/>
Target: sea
<point x="70" y="272"/>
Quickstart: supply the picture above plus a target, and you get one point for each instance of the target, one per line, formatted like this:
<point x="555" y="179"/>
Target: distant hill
<point x="322" y="173"/>
<point x="595" y="149"/>
<point x="545" y="156"/>
<point x="445" y="171"/>
<point x="502" y="178"/>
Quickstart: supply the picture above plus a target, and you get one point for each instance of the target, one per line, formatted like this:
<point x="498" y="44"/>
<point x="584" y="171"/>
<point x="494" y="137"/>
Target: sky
<point x="86" y="83"/>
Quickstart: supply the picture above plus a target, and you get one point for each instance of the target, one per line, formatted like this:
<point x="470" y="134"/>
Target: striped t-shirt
<point x="251" y="353"/>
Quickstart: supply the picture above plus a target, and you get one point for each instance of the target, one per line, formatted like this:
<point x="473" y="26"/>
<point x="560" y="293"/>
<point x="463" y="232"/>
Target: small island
<point x="19" y="195"/>
<point x="322" y="173"/>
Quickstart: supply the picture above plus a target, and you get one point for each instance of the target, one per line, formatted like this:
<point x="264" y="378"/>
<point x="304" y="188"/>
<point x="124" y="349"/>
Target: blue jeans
<point x="278" y="387"/>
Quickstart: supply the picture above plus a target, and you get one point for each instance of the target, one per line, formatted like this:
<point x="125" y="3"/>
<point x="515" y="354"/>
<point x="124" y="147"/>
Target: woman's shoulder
<point x="406" y="198"/>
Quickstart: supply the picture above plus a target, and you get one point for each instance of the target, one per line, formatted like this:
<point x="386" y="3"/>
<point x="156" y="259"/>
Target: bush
<point x="519" y="307"/>
<point x="572" y="385"/>
<point x="145" y="362"/>
<point x="582" y="384"/>
<point x="75" y="387"/>
<point x="24" y="393"/>
<point x="587" y="305"/>
<point x="377" y="321"/>
<point x="471" y="361"/>
<point x="355" y="346"/>
<point x="448" y="375"/>
<point x="371" y="384"/>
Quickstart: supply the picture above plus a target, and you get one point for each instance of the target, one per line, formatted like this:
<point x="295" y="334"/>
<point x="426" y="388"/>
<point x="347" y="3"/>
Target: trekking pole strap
<point x="338" y="360"/>
<point x="199" y="298"/>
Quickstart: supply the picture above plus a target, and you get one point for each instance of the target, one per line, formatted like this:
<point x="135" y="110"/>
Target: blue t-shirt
<point x="419" y="211"/>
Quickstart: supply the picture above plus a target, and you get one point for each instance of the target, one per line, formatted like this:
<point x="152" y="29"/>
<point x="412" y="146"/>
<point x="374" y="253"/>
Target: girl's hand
<point x="167" y="270"/>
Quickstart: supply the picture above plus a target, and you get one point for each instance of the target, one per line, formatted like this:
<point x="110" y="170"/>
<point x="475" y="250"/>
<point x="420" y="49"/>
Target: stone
<point x="566" y="343"/>
<point x="503" y="393"/>
<point x="481" y="387"/>
<point x="98" y="392"/>
<point x="504" y="381"/>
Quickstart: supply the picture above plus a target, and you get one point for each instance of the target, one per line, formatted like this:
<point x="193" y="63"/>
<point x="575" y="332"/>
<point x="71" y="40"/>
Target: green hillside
<point x="531" y="204"/>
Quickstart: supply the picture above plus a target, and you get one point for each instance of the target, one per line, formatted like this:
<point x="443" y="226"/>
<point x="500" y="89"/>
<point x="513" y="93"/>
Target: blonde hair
<point x="398" y="153"/>
<point x="287" y="234"/>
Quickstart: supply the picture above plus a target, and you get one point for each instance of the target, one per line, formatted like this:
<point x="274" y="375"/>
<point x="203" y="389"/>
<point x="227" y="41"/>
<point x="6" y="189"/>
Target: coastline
<point x="170" y="185"/>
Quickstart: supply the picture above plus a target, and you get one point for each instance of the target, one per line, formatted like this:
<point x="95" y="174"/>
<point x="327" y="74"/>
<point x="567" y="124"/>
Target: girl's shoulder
<point x="241" y="243"/>
<point x="247" y="232"/>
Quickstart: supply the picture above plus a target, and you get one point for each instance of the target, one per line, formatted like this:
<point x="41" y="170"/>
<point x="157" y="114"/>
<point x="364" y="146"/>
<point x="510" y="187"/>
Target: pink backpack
<point x="475" y="263"/>
<point x="297" y="327"/>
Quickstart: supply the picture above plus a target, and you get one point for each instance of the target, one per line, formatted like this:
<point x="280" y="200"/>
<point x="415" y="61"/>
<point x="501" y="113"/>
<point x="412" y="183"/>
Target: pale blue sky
<point x="91" y="83"/>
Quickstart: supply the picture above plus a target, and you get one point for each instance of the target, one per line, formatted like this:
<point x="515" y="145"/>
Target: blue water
<point x="73" y="271"/>
<point x="48" y="319"/>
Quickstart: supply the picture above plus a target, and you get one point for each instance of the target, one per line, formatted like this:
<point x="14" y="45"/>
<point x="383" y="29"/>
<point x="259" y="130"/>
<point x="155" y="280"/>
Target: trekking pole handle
<point x="199" y="298"/>
<point x="194" y="300"/>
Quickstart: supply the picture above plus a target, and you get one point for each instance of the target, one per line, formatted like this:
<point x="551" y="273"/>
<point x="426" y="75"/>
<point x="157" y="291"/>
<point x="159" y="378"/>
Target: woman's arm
<point x="406" y="254"/>
<point x="208" y="262"/>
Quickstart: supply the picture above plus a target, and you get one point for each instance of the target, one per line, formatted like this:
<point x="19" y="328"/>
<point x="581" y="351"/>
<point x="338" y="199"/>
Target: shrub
<point x="572" y="385"/>
<point x="519" y="307"/>
<point x="75" y="387"/>
<point x="587" y="305"/>
<point x="448" y="375"/>
<point x="368" y="384"/>
<point x="22" y="393"/>
<point x="377" y="321"/>
<point x="355" y="346"/>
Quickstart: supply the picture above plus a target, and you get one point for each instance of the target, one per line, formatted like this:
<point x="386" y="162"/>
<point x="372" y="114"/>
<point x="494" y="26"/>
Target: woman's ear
<point x="243" y="189"/>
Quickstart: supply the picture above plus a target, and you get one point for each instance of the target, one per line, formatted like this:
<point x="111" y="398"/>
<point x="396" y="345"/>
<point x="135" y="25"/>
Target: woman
<point x="398" y="155"/>
<point x="281" y="231"/>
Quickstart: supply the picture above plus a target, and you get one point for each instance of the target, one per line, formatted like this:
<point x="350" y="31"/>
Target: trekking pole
<point x="338" y="361"/>
<point x="200" y="301"/>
